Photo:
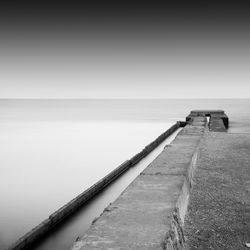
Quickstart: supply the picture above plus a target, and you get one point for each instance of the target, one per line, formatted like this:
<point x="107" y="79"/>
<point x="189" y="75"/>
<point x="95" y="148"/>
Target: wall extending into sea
<point x="167" y="204"/>
<point x="194" y="195"/>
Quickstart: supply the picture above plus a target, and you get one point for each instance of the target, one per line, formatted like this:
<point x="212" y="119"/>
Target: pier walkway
<point x="218" y="215"/>
<point x="194" y="195"/>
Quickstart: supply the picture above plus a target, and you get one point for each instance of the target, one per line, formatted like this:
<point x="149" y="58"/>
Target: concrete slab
<point x="138" y="219"/>
<point x="170" y="162"/>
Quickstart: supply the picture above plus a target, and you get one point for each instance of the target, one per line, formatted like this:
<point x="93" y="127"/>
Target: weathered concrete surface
<point x="218" y="214"/>
<point x="149" y="214"/>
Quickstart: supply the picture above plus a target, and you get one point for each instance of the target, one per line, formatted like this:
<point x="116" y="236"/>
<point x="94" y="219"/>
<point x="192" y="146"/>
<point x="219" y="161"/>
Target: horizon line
<point x="124" y="98"/>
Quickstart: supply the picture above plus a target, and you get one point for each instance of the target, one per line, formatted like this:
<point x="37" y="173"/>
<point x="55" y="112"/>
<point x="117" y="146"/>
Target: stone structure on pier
<point x="218" y="119"/>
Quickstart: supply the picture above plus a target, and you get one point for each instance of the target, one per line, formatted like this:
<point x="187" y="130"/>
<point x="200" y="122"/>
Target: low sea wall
<point x="150" y="213"/>
<point x="71" y="207"/>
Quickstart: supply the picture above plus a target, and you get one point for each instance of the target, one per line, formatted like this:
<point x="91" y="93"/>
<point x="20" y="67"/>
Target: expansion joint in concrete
<point x="162" y="174"/>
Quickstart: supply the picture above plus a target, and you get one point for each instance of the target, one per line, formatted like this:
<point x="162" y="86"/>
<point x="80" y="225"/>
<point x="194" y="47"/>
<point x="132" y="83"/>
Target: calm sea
<point x="52" y="150"/>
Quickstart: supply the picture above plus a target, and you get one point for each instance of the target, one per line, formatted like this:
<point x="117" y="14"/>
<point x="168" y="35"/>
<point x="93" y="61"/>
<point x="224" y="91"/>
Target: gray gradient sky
<point x="134" y="52"/>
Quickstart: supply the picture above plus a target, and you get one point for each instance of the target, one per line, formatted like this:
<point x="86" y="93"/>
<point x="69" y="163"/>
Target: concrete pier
<point x="149" y="214"/>
<point x="194" y="195"/>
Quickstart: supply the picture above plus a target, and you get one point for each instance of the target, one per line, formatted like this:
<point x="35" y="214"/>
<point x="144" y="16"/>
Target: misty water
<point x="52" y="150"/>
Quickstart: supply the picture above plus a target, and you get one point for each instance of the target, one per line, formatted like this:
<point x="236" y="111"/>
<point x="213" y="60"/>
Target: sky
<point x="125" y="49"/>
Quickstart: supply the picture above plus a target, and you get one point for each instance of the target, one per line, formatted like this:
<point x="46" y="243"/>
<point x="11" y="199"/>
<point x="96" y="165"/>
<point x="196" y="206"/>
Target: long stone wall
<point x="64" y="212"/>
<point x="150" y="213"/>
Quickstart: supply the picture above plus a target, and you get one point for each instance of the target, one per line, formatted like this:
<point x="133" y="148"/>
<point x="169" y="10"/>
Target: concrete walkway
<point x="149" y="214"/>
<point x="218" y="216"/>
<point x="202" y="179"/>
